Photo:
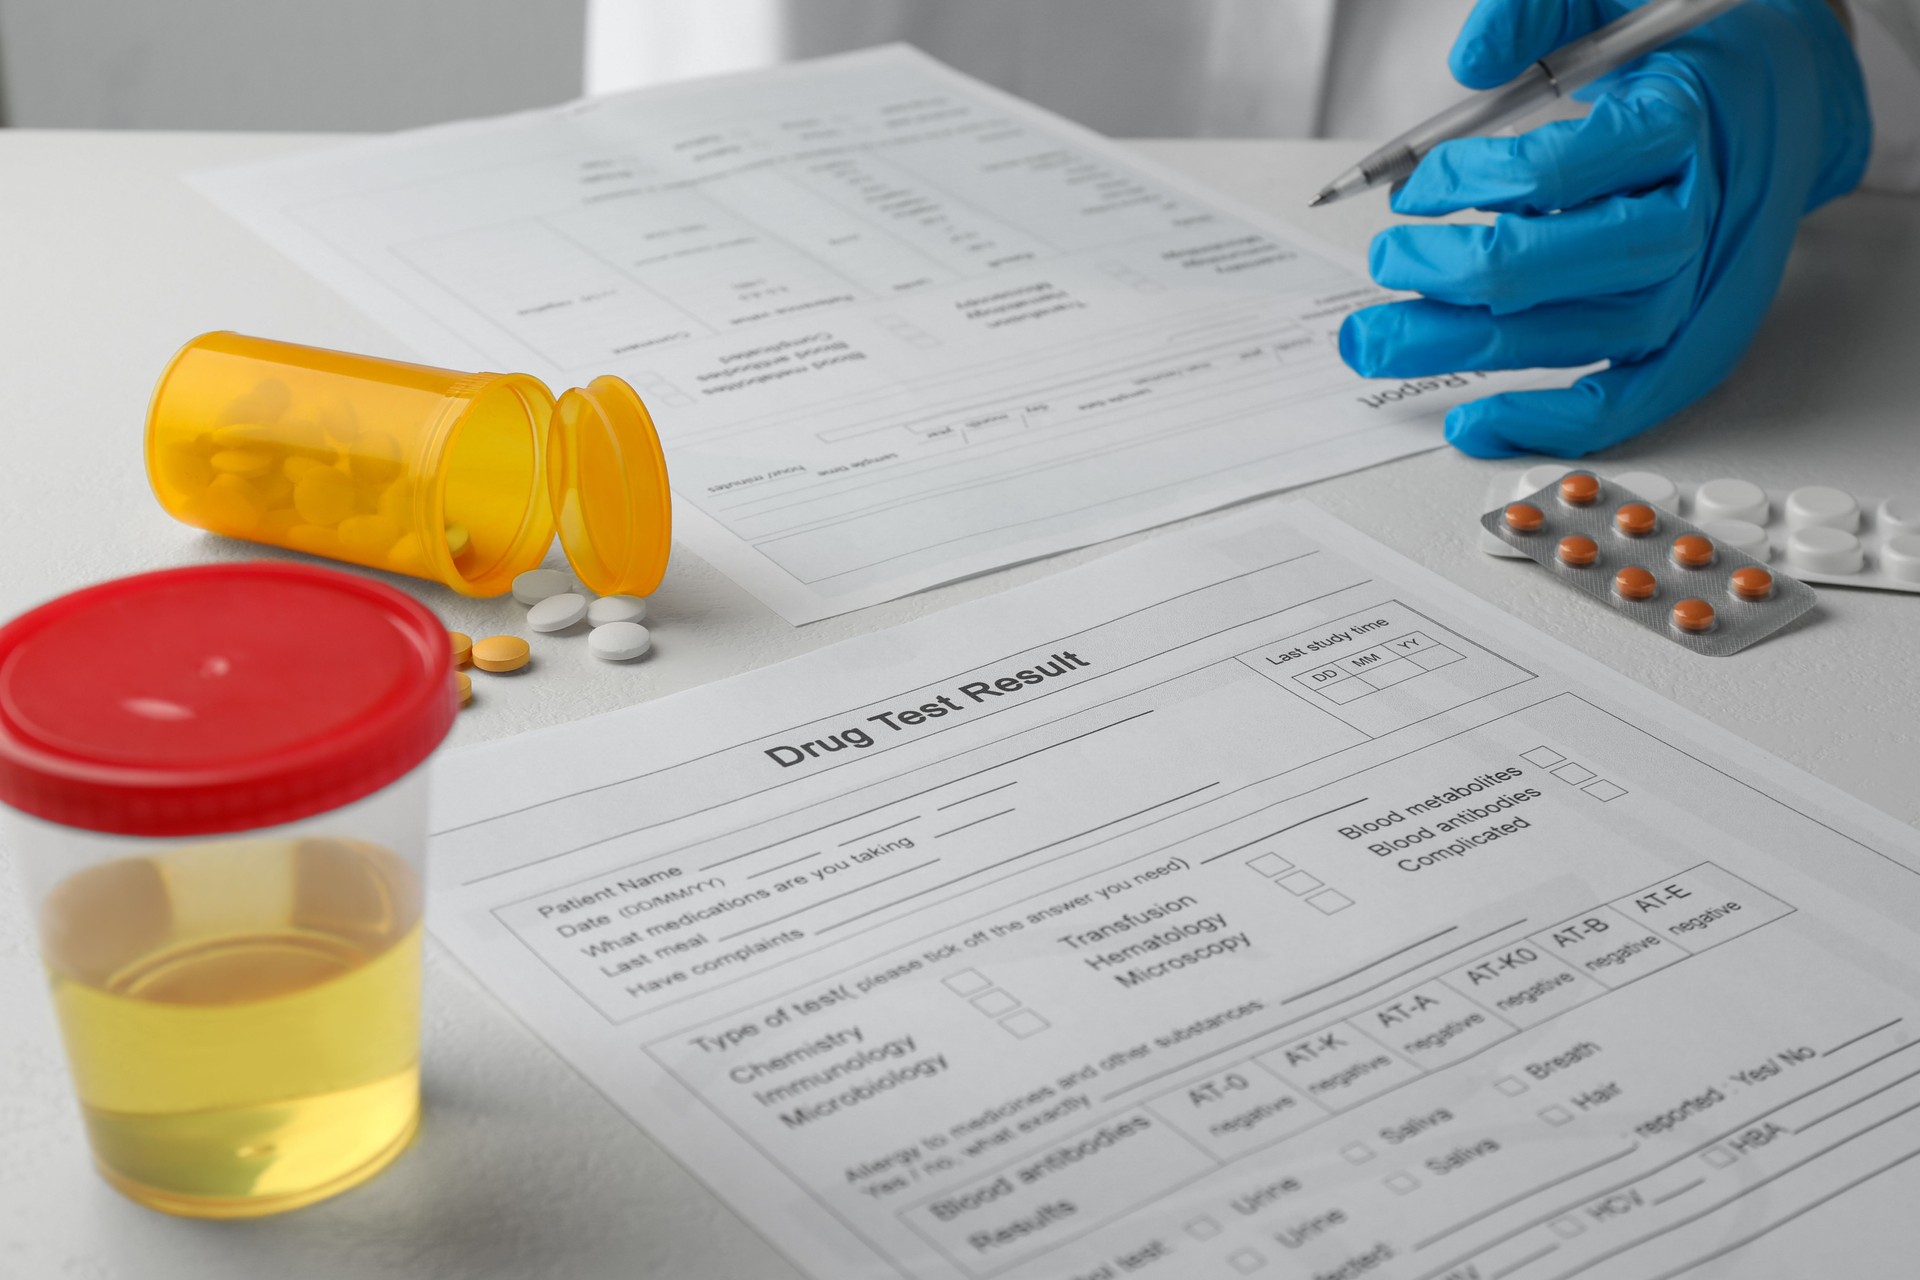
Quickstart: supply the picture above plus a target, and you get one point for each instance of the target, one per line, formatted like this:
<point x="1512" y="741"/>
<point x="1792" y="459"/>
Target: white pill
<point x="1742" y="535"/>
<point x="1900" y="557"/>
<point x="1730" y="500"/>
<point x="1824" y="550"/>
<point x="1900" y="515"/>
<point x="1816" y="504"/>
<point x="1534" y="479"/>
<point x="617" y="609"/>
<point x="1651" y="487"/>
<point x="536" y="585"/>
<point x="619" y="641"/>
<point x="557" y="613"/>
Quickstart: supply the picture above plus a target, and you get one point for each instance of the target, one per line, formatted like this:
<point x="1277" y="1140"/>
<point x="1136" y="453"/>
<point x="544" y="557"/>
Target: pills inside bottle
<point x="1635" y="583"/>
<point x="1524" y="517"/>
<point x="1636" y="519"/>
<point x="1691" y="551"/>
<point x="1578" y="489"/>
<point x="1751" y="583"/>
<point x="1693" y="616"/>
<point x="1578" y="550"/>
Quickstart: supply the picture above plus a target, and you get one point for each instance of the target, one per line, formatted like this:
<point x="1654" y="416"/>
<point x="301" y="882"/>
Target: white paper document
<point x="1250" y="902"/>
<point x="895" y="327"/>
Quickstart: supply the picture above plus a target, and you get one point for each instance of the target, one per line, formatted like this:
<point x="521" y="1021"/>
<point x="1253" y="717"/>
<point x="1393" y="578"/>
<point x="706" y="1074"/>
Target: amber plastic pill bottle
<point x="461" y="478"/>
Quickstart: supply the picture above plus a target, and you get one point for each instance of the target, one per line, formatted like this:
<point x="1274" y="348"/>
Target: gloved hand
<point x="1651" y="234"/>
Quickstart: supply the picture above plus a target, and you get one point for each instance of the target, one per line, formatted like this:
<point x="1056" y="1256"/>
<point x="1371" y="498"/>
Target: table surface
<point x="110" y="263"/>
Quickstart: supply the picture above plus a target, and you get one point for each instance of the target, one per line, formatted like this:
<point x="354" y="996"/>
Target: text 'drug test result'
<point x="1246" y="902"/>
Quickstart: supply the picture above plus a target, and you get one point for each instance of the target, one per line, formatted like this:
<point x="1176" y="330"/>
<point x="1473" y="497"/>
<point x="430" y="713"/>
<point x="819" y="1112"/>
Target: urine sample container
<point x="461" y="478"/>
<point x="211" y="782"/>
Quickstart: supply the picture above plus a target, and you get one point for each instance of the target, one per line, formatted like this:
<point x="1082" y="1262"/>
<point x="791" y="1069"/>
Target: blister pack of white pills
<point x="1665" y="573"/>
<point x="1819" y="534"/>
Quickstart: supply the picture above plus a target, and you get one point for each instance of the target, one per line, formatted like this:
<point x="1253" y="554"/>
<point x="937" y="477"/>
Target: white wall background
<point x="283" y="64"/>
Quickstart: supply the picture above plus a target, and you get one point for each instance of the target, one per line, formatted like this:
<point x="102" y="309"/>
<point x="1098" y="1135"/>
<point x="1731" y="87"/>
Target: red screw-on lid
<point x="216" y="699"/>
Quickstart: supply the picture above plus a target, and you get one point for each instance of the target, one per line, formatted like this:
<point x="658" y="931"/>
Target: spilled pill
<point x="616" y="609"/>
<point x="536" y="585"/>
<point x="462" y="648"/>
<point x="501" y="653"/>
<point x="464" y="683"/>
<point x="557" y="613"/>
<point x="619" y="641"/>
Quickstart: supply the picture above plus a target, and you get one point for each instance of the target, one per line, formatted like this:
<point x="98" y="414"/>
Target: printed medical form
<point x="1249" y="902"/>
<point x="895" y="327"/>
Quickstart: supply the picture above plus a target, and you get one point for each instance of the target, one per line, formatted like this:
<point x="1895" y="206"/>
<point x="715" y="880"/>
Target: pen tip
<point x="1325" y="197"/>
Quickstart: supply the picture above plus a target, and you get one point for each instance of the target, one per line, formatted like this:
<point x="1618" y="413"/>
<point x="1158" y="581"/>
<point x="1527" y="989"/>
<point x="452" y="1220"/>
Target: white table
<point x="108" y="263"/>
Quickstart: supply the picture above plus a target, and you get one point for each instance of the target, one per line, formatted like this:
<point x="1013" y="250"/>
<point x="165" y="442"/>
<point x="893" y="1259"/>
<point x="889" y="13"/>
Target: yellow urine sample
<point x="242" y="1019"/>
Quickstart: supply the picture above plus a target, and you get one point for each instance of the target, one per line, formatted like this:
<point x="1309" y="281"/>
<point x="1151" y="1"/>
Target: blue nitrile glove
<point x="1651" y="234"/>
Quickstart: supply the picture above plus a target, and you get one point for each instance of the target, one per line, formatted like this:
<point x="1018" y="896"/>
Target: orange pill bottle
<point x="461" y="478"/>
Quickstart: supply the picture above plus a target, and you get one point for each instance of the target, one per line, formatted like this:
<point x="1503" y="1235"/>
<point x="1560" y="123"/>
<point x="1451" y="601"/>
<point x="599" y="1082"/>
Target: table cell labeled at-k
<point x="1339" y="1066"/>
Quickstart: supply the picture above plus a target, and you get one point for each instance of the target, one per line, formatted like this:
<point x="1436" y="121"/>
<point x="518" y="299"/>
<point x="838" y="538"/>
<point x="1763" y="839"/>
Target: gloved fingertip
<point x="1404" y="258"/>
<point x="1468" y="430"/>
<point x="1355" y="347"/>
<point x="1430" y="191"/>
<point x="1478" y="65"/>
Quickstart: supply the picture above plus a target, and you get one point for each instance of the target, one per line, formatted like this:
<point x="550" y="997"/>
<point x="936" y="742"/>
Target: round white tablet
<point x="557" y="613"/>
<point x="1742" y="535"/>
<point x="616" y="609"/>
<point x="536" y="585"/>
<point x="1652" y="487"/>
<point x="1730" y="500"/>
<point x="1900" y="515"/>
<point x="1817" y="504"/>
<point x="619" y="641"/>
<point x="1824" y="550"/>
